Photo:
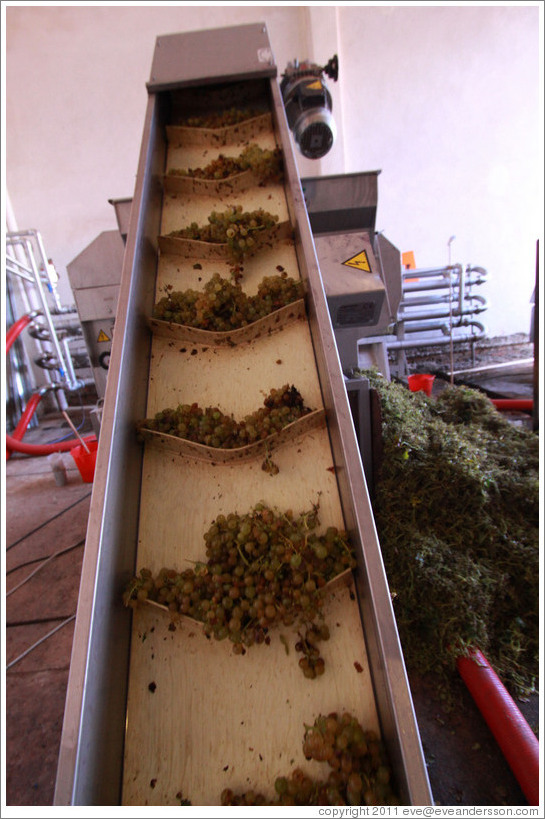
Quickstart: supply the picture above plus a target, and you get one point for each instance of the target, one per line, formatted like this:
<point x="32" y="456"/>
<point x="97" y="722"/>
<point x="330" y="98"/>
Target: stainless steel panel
<point x="98" y="337"/>
<point x="389" y="260"/>
<point x="341" y="202"/>
<point x="91" y="752"/>
<point x="123" y="214"/>
<point x="203" y="57"/>
<point x="99" y="264"/>
<point x="353" y="287"/>
<point x="96" y="302"/>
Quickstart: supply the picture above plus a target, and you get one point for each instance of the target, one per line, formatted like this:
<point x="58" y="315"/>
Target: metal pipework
<point x="427" y="326"/>
<point x="406" y="344"/>
<point x="42" y="333"/>
<point x="15" y="267"/>
<point x="21" y="237"/>
<point x="438" y="299"/>
<point x="407" y="317"/>
<point x="412" y="278"/>
<point x="29" y="271"/>
<point x="460" y="302"/>
<point x="428" y="272"/>
<point x="415" y="287"/>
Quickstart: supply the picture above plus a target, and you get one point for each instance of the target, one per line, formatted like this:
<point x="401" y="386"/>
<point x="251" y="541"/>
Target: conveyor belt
<point x="176" y="713"/>
<point x="214" y="719"/>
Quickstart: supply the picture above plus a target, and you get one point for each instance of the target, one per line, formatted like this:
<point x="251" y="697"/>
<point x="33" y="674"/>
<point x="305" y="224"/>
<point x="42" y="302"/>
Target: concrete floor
<point x="45" y="534"/>
<point x="45" y="537"/>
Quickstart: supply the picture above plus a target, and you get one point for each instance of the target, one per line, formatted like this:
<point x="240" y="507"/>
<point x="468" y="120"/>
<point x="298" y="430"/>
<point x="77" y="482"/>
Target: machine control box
<point x="353" y="287"/>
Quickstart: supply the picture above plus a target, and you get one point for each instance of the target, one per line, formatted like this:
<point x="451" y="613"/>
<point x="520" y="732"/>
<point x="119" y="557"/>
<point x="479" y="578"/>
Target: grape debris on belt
<point x="266" y="163"/>
<point x="224" y="306"/>
<point x="221" y="119"/>
<point x="264" y="569"/>
<point x="213" y="428"/>
<point x="360" y="772"/>
<point x="236" y="228"/>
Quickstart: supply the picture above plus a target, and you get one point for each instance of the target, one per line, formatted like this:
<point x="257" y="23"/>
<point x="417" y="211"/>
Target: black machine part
<point x="309" y="106"/>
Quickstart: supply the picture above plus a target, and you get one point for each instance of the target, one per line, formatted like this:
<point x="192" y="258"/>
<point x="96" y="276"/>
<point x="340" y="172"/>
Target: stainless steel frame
<point x="91" y="754"/>
<point x="27" y="262"/>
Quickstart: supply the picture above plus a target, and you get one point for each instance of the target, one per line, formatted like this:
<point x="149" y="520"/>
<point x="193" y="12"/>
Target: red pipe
<point x="12" y="334"/>
<point x="16" y="329"/>
<point x="14" y="442"/>
<point x="25" y="418"/>
<point x="523" y="404"/>
<point x="511" y="731"/>
<point x="45" y="449"/>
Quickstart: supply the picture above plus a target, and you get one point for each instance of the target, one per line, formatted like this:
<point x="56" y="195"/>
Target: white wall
<point x="444" y="100"/>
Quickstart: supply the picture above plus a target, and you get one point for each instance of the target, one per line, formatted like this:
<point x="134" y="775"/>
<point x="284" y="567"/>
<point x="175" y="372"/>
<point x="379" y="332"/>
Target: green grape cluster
<point x="266" y="163"/>
<point x="222" y="119"/>
<point x="236" y="228"/>
<point x="360" y="772"/>
<point x="277" y="291"/>
<point x="265" y="569"/>
<point x="211" y="427"/>
<point x="224" y="306"/>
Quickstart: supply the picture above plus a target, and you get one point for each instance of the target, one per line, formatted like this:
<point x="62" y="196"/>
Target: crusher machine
<point x="360" y="268"/>
<point x="361" y="272"/>
<point x="156" y="713"/>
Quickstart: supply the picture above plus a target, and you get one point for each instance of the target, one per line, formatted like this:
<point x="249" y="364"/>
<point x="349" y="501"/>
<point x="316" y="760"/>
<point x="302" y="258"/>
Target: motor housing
<point x="309" y="106"/>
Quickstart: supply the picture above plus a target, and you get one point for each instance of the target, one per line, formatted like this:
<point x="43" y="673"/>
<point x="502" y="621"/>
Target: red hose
<point x="14" y="442"/>
<point x="45" y="449"/>
<point x="16" y="329"/>
<point x="511" y="731"/>
<point x="522" y="404"/>
<point x="25" y="419"/>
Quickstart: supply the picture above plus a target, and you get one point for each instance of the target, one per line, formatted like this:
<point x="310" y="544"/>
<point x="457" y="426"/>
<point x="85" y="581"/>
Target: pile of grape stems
<point x="456" y="504"/>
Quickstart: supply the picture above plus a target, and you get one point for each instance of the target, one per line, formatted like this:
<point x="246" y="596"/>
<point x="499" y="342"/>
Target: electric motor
<point x="309" y="106"/>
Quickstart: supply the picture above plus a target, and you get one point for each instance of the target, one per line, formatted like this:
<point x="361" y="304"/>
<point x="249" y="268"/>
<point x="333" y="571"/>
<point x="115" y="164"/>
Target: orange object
<point x="86" y="461"/>
<point x="511" y="731"/>
<point x="421" y="382"/>
<point x="408" y="260"/>
<point x="522" y="404"/>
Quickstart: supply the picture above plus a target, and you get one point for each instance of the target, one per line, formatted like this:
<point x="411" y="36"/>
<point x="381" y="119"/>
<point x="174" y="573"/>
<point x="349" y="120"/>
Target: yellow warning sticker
<point x="360" y="261"/>
<point x="316" y="85"/>
<point x="103" y="337"/>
